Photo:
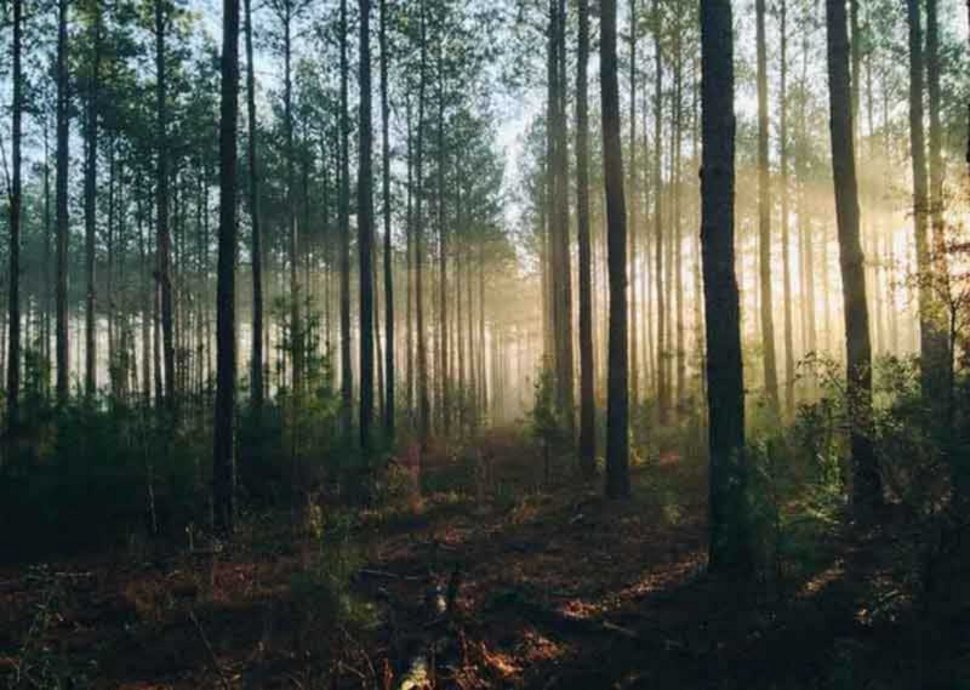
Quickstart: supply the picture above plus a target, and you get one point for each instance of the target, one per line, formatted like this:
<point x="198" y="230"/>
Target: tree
<point x="927" y="322"/>
<point x="764" y="216"/>
<point x="91" y="126"/>
<point x="561" y="278"/>
<point x="587" y="410"/>
<point x="60" y="204"/>
<point x="617" y="414"/>
<point x="255" y="211"/>
<point x="343" y="221"/>
<point x="663" y="383"/>
<point x="937" y="358"/>
<point x="866" y="489"/>
<point x="728" y="541"/>
<point x="365" y="233"/>
<point x="15" y="202"/>
<point x="785" y="251"/>
<point x="386" y="208"/>
<point x="164" y="268"/>
<point x="424" y="403"/>
<point x="223" y="463"/>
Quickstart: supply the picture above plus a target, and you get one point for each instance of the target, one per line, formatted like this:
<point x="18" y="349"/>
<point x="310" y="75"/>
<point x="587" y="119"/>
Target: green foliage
<point x="911" y="444"/>
<point x="89" y="474"/>
<point x="322" y="594"/>
<point x="546" y="422"/>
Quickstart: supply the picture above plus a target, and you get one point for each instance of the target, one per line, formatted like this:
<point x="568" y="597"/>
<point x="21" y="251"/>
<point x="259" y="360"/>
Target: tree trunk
<point x="424" y="403"/>
<point x="223" y="460"/>
<point x="256" y="364"/>
<point x="443" y="369"/>
<point x="764" y="218"/>
<point x="587" y="409"/>
<point x="61" y="209"/>
<point x="728" y="542"/>
<point x="617" y="423"/>
<point x="663" y="389"/>
<point x="388" y="255"/>
<point x="633" y="209"/>
<point x="929" y="331"/>
<point x="939" y="358"/>
<point x="16" y="196"/>
<point x="90" y="204"/>
<point x="866" y="490"/>
<point x="561" y="277"/>
<point x="785" y="249"/>
<point x="365" y="233"/>
<point x="164" y="236"/>
<point x="346" y="369"/>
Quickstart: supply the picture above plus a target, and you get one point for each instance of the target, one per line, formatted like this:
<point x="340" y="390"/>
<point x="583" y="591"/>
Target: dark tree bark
<point x="15" y="200"/>
<point x="587" y="409"/>
<point x="764" y="217"/>
<point x="663" y="384"/>
<point x="785" y="253"/>
<point x="60" y="203"/>
<point x="556" y="171"/>
<point x="617" y="414"/>
<point x="388" y="256"/>
<point x="939" y="358"/>
<point x="223" y="460"/>
<point x="365" y="232"/>
<point x="164" y="235"/>
<point x="866" y="489"/>
<point x="285" y="11"/>
<point x="930" y="332"/>
<point x="343" y="212"/>
<point x="255" y="209"/>
<point x="92" y="114"/>
<point x="728" y="541"/>
<point x="444" y="372"/>
<point x="633" y="210"/>
<point x="424" y="403"/>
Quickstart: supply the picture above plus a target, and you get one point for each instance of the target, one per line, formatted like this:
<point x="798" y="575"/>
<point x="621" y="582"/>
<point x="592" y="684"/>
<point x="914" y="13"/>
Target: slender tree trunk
<point x="223" y="461"/>
<point x="409" y="270"/>
<point x="866" y="490"/>
<point x="557" y="170"/>
<point x="388" y="255"/>
<point x="804" y="228"/>
<point x="365" y="232"/>
<point x="346" y="369"/>
<point x="255" y="209"/>
<point x="728" y="543"/>
<point x="663" y="389"/>
<point x="61" y="209"/>
<point x="617" y="422"/>
<point x="678" y="212"/>
<point x="764" y="217"/>
<point x="16" y="195"/>
<point x="164" y="236"/>
<point x="785" y="249"/>
<point x="940" y="358"/>
<point x="424" y="403"/>
<point x="587" y="410"/>
<point x="632" y="212"/>
<point x="929" y="331"/>
<point x="48" y="292"/>
<point x="443" y="369"/>
<point x="90" y="204"/>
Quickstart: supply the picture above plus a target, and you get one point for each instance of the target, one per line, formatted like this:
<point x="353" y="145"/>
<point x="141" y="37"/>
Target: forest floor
<point x="536" y="584"/>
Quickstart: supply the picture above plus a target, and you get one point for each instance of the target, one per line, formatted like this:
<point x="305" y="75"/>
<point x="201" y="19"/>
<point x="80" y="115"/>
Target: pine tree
<point x="617" y="414"/>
